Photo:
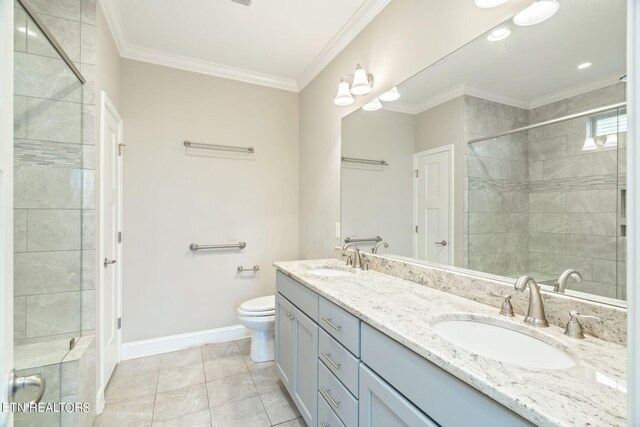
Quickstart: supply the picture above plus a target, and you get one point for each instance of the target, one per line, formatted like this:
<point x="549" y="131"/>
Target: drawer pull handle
<point x="330" y="323"/>
<point x="330" y="360"/>
<point x="323" y="424"/>
<point x="330" y="399"/>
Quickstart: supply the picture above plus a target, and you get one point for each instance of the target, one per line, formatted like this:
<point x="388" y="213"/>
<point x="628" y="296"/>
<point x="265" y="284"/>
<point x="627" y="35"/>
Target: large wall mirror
<point x="506" y="157"/>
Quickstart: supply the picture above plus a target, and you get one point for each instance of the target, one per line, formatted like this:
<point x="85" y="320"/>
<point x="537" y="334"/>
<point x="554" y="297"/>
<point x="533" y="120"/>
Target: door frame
<point x="107" y="106"/>
<point x="449" y="148"/>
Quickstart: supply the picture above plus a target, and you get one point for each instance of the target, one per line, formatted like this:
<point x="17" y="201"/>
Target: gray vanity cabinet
<point x="382" y="406"/>
<point x="296" y="352"/>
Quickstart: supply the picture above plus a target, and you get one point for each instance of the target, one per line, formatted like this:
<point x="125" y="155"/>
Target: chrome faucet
<point x="535" y="315"/>
<point x="561" y="284"/>
<point x="374" y="250"/>
<point x="357" y="259"/>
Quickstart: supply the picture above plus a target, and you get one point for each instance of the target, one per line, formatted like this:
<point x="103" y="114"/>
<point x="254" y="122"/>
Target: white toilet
<point x="258" y="315"/>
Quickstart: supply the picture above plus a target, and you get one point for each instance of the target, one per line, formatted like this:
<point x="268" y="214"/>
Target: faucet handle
<point x="574" y="328"/>
<point x="507" y="308"/>
<point x="365" y="264"/>
<point x="350" y="260"/>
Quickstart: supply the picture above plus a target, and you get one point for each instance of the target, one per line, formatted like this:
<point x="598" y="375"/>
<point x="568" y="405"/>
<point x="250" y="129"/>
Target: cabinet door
<point x="382" y="406"/>
<point x="305" y="365"/>
<point x="284" y="341"/>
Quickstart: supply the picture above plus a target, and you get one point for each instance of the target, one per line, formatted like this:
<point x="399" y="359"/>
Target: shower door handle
<point x="108" y="262"/>
<point x="18" y="383"/>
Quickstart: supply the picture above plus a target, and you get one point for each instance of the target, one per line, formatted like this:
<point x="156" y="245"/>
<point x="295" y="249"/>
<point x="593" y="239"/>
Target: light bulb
<point x="360" y="84"/>
<point x="489" y="3"/>
<point x="390" y="95"/>
<point x="539" y="11"/>
<point x="372" y="106"/>
<point x="589" y="145"/>
<point x="584" y="66"/>
<point x="343" y="97"/>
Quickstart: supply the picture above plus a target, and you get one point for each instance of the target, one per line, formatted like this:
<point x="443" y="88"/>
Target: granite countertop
<point x="593" y="392"/>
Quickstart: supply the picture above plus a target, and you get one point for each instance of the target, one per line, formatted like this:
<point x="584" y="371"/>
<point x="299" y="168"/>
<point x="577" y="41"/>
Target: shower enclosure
<point x="54" y="205"/>
<point x="550" y="197"/>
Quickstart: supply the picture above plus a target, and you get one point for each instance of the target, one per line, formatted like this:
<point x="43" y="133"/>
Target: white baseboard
<point x="135" y="349"/>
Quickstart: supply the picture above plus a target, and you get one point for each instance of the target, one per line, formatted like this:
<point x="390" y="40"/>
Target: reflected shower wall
<point x="54" y="205"/>
<point x="548" y="199"/>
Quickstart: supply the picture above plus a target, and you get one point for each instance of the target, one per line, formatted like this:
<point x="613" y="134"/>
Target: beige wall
<point x="406" y="37"/>
<point x="444" y="125"/>
<point x="378" y="200"/>
<point x="108" y="63"/>
<point x="174" y="197"/>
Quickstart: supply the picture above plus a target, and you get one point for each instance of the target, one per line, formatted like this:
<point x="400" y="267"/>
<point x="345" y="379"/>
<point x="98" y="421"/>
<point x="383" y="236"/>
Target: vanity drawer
<point x="326" y="416"/>
<point x="302" y="297"/>
<point x="337" y="397"/>
<point x="339" y="361"/>
<point x="341" y="325"/>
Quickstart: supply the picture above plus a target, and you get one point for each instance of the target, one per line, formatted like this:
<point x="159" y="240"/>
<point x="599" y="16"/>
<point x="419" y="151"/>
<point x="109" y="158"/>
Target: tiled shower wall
<point x="54" y="174"/>
<point x="538" y="204"/>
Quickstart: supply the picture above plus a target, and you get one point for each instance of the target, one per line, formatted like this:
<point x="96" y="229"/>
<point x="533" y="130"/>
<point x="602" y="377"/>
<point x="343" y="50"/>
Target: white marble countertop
<point x="592" y="393"/>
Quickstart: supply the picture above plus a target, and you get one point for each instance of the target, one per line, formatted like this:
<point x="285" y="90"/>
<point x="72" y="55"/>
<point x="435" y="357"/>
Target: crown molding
<point x="157" y="57"/>
<point x="112" y="14"/>
<point x="558" y="96"/>
<point x="347" y="33"/>
<point x="365" y="14"/>
<point x="490" y="96"/>
<point x="399" y="107"/>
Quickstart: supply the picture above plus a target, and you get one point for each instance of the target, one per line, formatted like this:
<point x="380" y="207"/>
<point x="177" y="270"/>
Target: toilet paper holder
<point x="254" y="269"/>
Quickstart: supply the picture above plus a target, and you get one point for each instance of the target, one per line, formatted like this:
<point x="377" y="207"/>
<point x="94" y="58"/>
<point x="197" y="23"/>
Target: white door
<point x="433" y="205"/>
<point x="110" y="226"/>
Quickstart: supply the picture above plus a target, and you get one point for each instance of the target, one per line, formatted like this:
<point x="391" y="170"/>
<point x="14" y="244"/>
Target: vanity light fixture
<point x="390" y="95"/>
<point x="485" y="4"/>
<point x="499" y="34"/>
<point x="584" y="66"/>
<point x="539" y="11"/>
<point x="372" y="106"/>
<point x="343" y="97"/>
<point x="362" y="83"/>
<point x="589" y="144"/>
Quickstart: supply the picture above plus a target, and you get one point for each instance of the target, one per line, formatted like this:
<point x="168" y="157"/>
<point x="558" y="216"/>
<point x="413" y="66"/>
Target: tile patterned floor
<point x="216" y="385"/>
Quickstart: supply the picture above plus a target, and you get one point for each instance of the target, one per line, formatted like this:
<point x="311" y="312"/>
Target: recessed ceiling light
<point x="584" y="65"/>
<point x="489" y="3"/>
<point x="539" y="11"/>
<point x="499" y="34"/>
<point x="372" y="106"/>
<point x="390" y="95"/>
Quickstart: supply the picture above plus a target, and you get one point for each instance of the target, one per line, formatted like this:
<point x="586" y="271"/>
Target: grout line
<point x="254" y="384"/>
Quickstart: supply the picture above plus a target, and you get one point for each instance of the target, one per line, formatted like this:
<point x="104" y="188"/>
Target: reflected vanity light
<point x="584" y="66"/>
<point x="362" y="83"/>
<point x="25" y="31"/>
<point x="612" y="141"/>
<point x="372" y="106"/>
<point x="499" y="34"/>
<point x="589" y="145"/>
<point x="390" y="95"/>
<point x="539" y="11"/>
<point x="485" y="4"/>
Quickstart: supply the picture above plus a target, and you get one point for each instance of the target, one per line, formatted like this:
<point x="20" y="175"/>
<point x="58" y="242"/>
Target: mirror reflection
<point x="506" y="157"/>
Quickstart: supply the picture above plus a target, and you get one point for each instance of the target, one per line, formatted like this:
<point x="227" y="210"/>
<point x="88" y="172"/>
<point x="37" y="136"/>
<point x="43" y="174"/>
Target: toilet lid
<point x="267" y="303"/>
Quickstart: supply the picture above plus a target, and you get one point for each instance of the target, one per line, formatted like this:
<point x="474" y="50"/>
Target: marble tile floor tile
<point x="208" y="386"/>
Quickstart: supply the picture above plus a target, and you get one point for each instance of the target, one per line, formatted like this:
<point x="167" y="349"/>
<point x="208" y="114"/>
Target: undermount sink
<point x="330" y="272"/>
<point x="503" y="344"/>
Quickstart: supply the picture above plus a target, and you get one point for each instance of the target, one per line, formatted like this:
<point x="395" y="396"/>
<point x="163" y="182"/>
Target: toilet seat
<point x="256" y="313"/>
<point x="259" y="305"/>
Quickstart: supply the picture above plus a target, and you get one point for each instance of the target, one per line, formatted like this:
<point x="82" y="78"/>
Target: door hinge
<point x="120" y="148"/>
<point x="416" y="171"/>
<point x="416" y="228"/>
<point x="119" y="236"/>
<point x="119" y="322"/>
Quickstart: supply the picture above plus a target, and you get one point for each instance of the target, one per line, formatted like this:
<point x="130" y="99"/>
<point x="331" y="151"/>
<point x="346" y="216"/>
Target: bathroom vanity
<point x="362" y="348"/>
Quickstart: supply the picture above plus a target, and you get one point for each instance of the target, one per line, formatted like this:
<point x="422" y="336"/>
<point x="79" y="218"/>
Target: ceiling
<point x="282" y="44"/>
<point x="534" y="66"/>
